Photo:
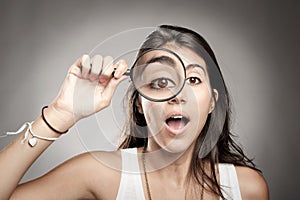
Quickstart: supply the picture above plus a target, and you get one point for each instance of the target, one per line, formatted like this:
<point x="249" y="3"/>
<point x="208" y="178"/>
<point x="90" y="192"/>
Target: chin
<point x="176" y="144"/>
<point x="176" y="147"/>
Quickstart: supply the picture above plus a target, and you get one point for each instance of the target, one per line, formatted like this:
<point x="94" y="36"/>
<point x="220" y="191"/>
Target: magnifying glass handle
<point x="127" y="73"/>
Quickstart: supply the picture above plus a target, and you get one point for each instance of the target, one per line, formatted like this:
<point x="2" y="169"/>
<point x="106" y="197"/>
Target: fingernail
<point x="102" y="80"/>
<point x="117" y="73"/>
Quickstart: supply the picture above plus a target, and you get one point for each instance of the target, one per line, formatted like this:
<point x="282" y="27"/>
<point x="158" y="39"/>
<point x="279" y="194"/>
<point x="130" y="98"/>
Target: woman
<point x="176" y="148"/>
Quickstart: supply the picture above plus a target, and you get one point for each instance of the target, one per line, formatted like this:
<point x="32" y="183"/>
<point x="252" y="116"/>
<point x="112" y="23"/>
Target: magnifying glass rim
<point x="162" y="49"/>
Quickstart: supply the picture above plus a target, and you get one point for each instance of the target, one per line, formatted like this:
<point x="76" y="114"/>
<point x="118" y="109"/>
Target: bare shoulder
<point x="103" y="170"/>
<point x="96" y="161"/>
<point x="252" y="183"/>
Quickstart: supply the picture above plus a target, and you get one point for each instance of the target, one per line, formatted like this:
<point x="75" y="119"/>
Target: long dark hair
<point x="224" y="149"/>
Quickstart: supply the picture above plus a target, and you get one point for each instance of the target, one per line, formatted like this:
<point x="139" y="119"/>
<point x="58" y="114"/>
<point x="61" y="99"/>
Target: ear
<point x="138" y="104"/>
<point x="214" y="99"/>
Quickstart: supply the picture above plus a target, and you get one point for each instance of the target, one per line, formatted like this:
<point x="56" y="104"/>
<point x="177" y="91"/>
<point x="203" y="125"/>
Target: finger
<point x="96" y="67"/>
<point x="107" y="69"/>
<point x="120" y="68"/>
<point x="113" y="83"/>
<point x="85" y="66"/>
<point x="75" y="70"/>
<point x="111" y="88"/>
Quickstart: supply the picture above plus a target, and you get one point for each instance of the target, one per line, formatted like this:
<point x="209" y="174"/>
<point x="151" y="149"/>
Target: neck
<point x="168" y="164"/>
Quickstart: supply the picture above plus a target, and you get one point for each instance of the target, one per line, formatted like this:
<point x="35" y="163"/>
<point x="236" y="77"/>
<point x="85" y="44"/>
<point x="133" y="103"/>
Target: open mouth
<point x="176" y="122"/>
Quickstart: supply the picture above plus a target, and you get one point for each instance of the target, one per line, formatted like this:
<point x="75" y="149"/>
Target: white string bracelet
<point x="20" y="130"/>
<point x="33" y="140"/>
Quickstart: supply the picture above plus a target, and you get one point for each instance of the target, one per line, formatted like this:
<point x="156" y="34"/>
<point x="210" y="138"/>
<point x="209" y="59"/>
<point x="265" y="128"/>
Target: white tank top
<point x="131" y="186"/>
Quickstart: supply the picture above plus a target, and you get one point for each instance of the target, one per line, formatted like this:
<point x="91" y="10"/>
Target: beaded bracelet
<point x="51" y="127"/>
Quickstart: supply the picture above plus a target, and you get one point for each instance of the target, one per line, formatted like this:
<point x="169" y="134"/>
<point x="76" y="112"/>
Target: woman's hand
<point x="87" y="89"/>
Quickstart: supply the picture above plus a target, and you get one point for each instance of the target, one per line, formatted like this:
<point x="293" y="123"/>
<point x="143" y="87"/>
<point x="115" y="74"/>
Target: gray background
<point x="256" y="43"/>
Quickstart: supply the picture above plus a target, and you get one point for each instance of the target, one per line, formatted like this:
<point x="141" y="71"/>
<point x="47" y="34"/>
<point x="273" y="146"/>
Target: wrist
<point x="56" y="119"/>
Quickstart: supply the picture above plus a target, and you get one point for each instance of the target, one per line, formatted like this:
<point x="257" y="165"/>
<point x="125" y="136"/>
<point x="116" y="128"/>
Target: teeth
<point x="177" y="117"/>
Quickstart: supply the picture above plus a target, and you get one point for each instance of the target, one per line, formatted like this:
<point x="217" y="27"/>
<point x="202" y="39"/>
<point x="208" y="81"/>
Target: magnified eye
<point x="161" y="83"/>
<point x="193" y="80"/>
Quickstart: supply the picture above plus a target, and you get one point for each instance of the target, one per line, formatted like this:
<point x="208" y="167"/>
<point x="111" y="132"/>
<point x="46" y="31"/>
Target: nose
<point x="180" y="98"/>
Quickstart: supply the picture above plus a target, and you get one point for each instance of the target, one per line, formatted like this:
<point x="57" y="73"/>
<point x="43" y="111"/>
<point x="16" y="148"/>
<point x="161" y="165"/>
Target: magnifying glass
<point x="158" y="74"/>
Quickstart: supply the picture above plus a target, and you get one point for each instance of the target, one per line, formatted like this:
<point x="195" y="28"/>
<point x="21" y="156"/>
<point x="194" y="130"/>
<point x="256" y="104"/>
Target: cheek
<point x="200" y="105"/>
<point x="154" y="116"/>
<point x="199" y="98"/>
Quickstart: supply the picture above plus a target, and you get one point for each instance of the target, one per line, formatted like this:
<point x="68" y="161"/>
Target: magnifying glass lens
<point x="158" y="75"/>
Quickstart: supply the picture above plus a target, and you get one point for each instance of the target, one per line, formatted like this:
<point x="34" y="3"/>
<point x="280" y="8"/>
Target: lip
<point x="175" y="132"/>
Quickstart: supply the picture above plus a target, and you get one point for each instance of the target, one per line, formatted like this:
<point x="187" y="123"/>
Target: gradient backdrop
<point x="256" y="43"/>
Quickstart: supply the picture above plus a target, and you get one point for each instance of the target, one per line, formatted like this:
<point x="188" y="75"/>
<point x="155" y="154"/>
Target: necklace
<point x="146" y="177"/>
<point x="145" y="173"/>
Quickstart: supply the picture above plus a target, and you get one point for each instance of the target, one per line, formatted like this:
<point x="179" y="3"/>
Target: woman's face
<point x="175" y="124"/>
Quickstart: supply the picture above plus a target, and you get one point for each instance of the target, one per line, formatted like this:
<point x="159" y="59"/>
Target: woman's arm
<point x="17" y="157"/>
<point x="82" y="177"/>
<point x="85" y="79"/>
<point x="70" y="180"/>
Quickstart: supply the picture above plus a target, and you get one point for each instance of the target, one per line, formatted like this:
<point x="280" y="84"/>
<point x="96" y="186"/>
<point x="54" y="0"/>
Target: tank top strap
<point x="131" y="186"/>
<point x="229" y="182"/>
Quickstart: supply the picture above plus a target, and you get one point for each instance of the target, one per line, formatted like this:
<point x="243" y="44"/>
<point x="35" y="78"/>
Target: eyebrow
<point x="171" y="62"/>
<point x="196" y="65"/>
<point x="162" y="59"/>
